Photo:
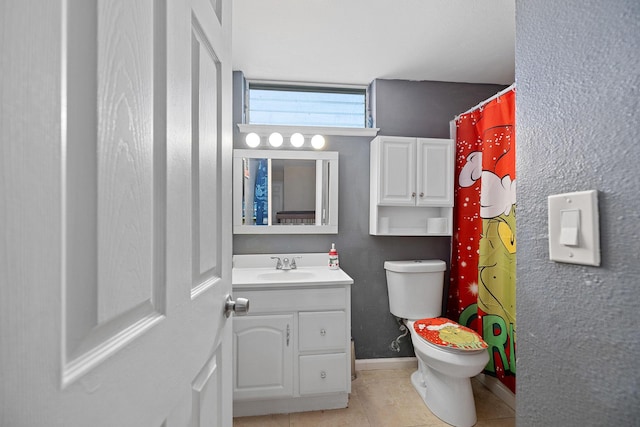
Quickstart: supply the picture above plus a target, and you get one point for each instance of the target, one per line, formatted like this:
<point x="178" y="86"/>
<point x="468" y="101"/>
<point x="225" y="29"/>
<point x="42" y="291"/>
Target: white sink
<point x="258" y="270"/>
<point x="286" y="275"/>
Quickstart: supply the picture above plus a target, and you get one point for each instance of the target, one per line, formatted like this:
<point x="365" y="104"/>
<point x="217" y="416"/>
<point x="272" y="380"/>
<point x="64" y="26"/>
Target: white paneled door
<point x="115" y="198"/>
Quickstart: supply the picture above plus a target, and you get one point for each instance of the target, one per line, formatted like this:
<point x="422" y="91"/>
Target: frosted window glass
<point x="308" y="107"/>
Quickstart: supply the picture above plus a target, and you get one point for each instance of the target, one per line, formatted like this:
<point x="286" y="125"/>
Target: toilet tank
<point x="415" y="288"/>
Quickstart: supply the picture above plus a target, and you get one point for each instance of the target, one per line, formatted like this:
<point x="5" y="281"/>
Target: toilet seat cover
<point x="447" y="333"/>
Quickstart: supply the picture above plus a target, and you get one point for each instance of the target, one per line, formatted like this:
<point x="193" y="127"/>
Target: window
<point x="306" y="106"/>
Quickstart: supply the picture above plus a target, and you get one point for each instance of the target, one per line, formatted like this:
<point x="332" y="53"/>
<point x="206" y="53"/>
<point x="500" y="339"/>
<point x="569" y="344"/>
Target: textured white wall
<point x="578" y="128"/>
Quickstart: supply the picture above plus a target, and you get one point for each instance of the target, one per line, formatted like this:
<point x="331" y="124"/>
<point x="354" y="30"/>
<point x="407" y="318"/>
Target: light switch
<point x="569" y="226"/>
<point x="574" y="234"/>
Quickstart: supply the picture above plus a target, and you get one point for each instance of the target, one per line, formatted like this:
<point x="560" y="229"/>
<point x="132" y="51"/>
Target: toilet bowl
<point x="443" y="378"/>
<point x="448" y="354"/>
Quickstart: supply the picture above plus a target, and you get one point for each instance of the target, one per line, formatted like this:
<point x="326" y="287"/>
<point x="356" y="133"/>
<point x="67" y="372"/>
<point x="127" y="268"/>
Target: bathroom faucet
<point x="285" y="263"/>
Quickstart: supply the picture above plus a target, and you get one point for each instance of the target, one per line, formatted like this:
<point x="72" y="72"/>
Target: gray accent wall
<point x="425" y="108"/>
<point x="362" y="256"/>
<point x="578" y="128"/>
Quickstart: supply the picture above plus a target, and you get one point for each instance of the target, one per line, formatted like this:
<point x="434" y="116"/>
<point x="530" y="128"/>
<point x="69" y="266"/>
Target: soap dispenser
<point x="334" y="262"/>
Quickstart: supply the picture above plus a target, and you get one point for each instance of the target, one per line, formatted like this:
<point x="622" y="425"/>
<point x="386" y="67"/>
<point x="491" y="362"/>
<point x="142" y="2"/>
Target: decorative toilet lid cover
<point x="447" y="333"/>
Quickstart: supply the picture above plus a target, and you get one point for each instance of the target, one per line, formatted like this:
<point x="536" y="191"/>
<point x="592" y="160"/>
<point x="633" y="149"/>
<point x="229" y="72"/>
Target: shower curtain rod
<point x="486" y="101"/>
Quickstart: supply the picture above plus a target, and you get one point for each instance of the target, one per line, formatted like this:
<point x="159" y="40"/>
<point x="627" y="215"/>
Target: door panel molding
<point x="206" y="137"/>
<point x="207" y="394"/>
<point x="113" y="230"/>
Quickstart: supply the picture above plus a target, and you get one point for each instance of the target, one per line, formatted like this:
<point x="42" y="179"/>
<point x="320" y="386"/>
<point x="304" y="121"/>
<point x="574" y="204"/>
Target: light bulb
<point x="317" y="142"/>
<point x="275" y="139"/>
<point x="297" y="140"/>
<point x="252" y="140"/>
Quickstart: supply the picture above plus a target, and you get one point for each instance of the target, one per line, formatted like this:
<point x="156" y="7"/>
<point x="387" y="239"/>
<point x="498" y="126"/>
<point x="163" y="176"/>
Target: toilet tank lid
<point x="416" y="266"/>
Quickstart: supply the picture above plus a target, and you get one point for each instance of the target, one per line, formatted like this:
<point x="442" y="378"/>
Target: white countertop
<point x="312" y="269"/>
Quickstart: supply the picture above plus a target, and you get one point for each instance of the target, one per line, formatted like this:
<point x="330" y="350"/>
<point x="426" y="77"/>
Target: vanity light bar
<point x="297" y="140"/>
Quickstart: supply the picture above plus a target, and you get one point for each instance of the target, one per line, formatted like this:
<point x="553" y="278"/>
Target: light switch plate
<point x="587" y="249"/>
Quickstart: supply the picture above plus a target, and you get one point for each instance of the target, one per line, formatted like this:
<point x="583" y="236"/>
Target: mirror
<point x="285" y="192"/>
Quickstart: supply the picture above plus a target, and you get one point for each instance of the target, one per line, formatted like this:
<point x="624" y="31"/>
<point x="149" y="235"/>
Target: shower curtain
<point x="483" y="283"/>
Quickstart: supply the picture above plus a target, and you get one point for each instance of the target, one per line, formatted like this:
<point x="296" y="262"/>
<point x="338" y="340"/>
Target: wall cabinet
<point x="411" y="186"/>
<point x="292" y="352"/>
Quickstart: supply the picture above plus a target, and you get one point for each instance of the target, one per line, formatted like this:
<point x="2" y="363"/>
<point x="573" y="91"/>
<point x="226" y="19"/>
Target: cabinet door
<point x="397" y="171"/>
<point x="263" y="356"/>
<point x="434" y="172"/>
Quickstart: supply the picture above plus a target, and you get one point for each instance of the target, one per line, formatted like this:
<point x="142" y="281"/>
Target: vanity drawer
<point x="279" y="300"/>
<point x="323" y="373"/>
<point x="322" y="331"/>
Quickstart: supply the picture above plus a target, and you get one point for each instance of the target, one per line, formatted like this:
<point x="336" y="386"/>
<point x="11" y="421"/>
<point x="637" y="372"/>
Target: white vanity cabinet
<point x="263" y="353"/>
<point x="411" y="186"/>
<point x="292" y="350"/>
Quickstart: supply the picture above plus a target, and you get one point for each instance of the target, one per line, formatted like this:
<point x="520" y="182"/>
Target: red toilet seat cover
<point x="447" y="333"/>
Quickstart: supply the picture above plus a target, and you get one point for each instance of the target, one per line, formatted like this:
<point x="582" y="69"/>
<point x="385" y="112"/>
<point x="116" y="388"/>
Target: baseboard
<point x="501" y="391"/>
<point x="386" y="363"/>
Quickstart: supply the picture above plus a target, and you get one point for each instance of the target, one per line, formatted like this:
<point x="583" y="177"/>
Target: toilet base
<point x="450" y="399"/>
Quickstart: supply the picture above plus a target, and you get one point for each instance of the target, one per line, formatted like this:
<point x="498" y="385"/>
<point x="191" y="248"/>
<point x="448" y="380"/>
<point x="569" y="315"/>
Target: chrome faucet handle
<point x="293" y="262"/>
<point x="279" y="263"/>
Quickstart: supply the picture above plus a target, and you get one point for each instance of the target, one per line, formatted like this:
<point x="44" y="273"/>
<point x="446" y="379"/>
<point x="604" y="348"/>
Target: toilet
<point x="448" y="354"/>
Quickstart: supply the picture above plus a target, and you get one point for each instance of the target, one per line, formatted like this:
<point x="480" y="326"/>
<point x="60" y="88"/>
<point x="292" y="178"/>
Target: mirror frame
<point x="332" y="215"/>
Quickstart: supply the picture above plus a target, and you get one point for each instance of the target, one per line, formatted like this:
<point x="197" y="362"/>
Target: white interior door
<point x="115" y="205"/>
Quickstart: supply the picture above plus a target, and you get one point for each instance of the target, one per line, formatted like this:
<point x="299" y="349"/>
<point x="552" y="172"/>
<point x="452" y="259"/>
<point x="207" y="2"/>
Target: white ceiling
<point x="357" y="41"/>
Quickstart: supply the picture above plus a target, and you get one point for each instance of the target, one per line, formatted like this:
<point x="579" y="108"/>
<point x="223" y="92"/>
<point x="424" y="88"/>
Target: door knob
<point x="240" y="306"/>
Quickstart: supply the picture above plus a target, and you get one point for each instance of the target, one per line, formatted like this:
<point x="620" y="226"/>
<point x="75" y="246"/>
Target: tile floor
<point x="386" y="398"/>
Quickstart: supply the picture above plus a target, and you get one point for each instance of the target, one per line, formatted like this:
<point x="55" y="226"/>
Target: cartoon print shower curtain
<point x="482" y="291"/>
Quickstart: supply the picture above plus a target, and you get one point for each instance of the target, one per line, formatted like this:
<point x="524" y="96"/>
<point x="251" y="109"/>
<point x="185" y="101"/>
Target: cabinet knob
<point x="421" y="195"/>
<point x="413" y="194"/>
<point x="323" y="374"/>
<point x="323" y="332"/>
